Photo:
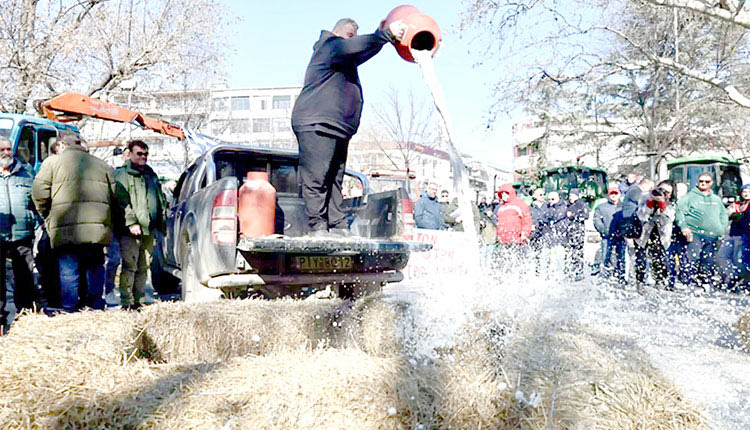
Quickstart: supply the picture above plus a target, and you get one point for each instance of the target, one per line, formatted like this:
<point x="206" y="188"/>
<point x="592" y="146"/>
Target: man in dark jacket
<point x="556" y="224"/>
<point x="577" y="214"/>
<point x="75" y="193"/>
<point x="428" y="212"/>
<point x="326" y="115"/>
<point x="142" y="202"/>
<point x="17" y="222"/>
<point x="607" y="219"/>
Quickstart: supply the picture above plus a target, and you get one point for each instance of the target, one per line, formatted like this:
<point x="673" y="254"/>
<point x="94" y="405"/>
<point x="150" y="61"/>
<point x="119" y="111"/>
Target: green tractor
<point x="725" y="172"/>
<point x="590" y="181"/>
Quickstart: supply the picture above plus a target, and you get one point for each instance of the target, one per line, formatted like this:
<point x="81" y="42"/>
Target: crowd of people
<point x="75" y="222"/>
<point x="674" y="234"/>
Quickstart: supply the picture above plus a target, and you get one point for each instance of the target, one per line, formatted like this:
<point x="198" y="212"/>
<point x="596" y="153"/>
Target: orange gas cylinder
<point x="257" y="210"/>
<point x="423" y="32"/>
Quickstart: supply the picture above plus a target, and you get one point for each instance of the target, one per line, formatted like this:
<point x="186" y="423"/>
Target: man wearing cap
<point x="733" y="255"/>
<point x="703" y="220"/>
<point x="577" y="214"/>
<point x="607" y="217"/>
<point x="75" y="194"/>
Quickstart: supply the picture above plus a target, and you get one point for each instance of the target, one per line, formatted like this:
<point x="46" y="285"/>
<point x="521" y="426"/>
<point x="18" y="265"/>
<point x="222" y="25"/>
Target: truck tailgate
<point x="315" y="245"/>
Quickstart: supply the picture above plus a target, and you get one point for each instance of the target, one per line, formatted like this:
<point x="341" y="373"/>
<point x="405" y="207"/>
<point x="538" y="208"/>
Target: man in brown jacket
<point x="75" y="194"/>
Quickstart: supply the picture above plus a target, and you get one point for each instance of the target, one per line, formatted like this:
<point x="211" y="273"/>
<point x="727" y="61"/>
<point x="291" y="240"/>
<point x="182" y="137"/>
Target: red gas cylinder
<point x="423" y="32"/>
<point x="257" y="210"/>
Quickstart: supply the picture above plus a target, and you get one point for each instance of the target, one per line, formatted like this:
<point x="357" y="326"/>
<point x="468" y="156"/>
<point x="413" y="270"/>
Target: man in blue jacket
<point x="326" y="116"/>
<point x="17" y="221"/>
<point x="428" y="212"/>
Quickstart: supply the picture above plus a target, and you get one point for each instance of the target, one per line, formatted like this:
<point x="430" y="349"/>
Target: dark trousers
<point x="654" y="253"/>
<point x="700" y="267"/>
<point x="322" y="159"/>
<point x="574" y="259"/>
<point x="613" y="257"/>
<point x="25" y="293"/>
<point x="677" y="254"/>
<point x="46" y="264"/>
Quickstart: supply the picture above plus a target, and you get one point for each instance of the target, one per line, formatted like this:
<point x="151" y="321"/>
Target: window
<point x="25" y="148"/>
<point x="282" y="124"/>
<point x="241" y="103"/>
<point x="239" y="126"/>
<point x="262" y="103"/>
<point x="46" y="139"/>
<point x="282" y="102"/>
<point x="221" y="104"/>
<point x="6" y="125"/>
<point x="261" y="125"/>
<point x="284" y="179"/>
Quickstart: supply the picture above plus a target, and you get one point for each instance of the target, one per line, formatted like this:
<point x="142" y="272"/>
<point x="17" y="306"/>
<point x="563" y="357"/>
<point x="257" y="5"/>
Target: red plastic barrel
<point x="423" y="32"/>
<point x="257" y="206"/>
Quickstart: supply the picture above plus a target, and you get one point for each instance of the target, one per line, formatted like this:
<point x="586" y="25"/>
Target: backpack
<point x="631" y="227"/>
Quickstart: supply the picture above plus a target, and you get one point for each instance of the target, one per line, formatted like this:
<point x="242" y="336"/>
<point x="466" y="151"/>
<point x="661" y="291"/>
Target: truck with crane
<point x="202" y="245"/>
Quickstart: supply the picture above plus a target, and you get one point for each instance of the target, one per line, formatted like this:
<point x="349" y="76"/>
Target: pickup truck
<point x="202" y="245"/>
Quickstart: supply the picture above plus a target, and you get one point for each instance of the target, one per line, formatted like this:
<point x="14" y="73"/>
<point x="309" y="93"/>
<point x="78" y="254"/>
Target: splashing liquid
<point x="460" y="175"/>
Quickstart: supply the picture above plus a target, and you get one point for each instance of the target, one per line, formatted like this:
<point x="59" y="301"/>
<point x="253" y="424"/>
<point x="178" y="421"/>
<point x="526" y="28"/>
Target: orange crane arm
<point x="71" y="107"/>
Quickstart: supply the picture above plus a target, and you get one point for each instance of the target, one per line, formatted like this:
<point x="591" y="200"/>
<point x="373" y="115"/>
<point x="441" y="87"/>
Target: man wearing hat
<point x="607" y="217"/>
<point x="577" y="214"/>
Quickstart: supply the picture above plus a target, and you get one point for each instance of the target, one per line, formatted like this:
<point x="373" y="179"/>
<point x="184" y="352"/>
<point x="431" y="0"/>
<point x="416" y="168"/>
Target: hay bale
<point x="743" y="328"/>
<point x="326" y="388"/>
<point x="325" y="364"/>
<point x="210" y="332"/>
<point x="576" y="377"/>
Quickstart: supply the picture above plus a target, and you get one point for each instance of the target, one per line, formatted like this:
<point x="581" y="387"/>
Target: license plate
<point x="323" y="264"/>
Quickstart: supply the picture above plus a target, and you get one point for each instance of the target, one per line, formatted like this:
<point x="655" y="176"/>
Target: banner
<point x="452" y="254"/>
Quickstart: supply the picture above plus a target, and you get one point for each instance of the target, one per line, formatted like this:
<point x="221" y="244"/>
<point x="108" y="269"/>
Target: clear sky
<point x="274" y="40"/>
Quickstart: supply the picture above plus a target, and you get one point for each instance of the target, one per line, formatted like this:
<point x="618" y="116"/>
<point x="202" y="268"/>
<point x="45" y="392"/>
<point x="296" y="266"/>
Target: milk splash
<point x="460" y="175"/>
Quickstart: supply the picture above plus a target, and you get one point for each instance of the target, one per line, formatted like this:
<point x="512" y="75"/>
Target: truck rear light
<point x="224" y="218"/>
<point x="407" y="216"/>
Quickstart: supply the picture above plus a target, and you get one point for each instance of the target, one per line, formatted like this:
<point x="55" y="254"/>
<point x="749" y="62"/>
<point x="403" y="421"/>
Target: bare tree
<point x="646" y="77"/>
<point x="402" y="123"/>
<point x="91" y="46"/>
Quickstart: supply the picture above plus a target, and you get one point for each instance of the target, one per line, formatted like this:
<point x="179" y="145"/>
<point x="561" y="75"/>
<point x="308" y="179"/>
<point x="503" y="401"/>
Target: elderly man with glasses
<point x="703" y="220"/>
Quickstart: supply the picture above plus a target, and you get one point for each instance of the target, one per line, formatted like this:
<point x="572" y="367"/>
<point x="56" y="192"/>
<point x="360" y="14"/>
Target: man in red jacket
<point x="513" y="218"/>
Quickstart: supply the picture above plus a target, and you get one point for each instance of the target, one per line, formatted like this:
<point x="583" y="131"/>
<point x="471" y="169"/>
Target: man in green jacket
<point x="142" y="202"/>
<point x="703" y="220"/>
<point x="75" y="194"/>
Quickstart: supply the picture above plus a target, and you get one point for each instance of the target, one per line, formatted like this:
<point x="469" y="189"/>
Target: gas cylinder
<point x="423" y="32"/>
<point x="257" y="209"/>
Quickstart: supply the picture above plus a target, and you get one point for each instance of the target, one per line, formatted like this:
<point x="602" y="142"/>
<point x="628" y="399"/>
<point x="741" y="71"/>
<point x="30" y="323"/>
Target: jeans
<point x="732" y="259"/>
<point x="613" y="257"/>
<point x="700" y="267"/>
<point x="81" y="274"/>
<point x="113" y="262"/>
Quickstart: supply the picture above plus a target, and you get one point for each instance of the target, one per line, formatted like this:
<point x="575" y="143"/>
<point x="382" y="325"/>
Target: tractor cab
<point x="31" y="137"/>
<point x="591" y="182"/>
<point x="724" y="171"/>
